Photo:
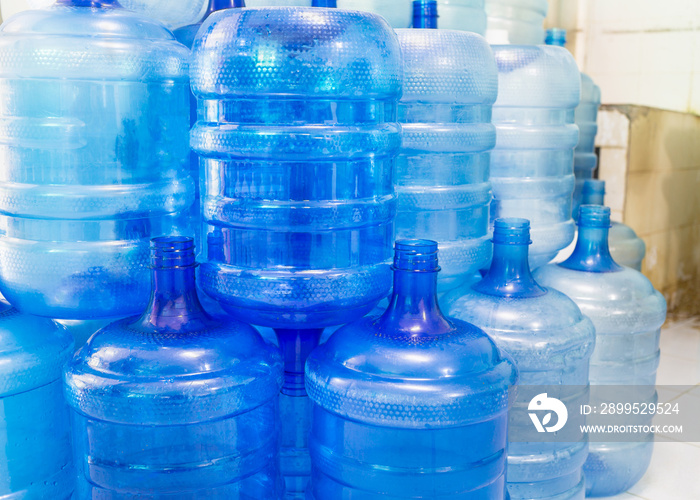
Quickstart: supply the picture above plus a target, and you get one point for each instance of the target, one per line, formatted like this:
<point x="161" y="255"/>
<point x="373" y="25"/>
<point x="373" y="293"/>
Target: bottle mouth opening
<point x="511" y="231"/>
<point x="169" y="252"/>
<point x="416" y="256"/>
<point x="594" y="216"/>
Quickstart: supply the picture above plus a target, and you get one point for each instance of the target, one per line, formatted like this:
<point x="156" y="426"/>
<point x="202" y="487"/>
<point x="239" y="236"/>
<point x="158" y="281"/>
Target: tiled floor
<point x="674" y="473"/>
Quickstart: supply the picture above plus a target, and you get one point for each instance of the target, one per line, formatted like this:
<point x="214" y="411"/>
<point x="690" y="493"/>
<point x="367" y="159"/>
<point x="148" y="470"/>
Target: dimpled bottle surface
<point x="626" y="247"/>
<point x="532" y="165"/>
<point x="94" y="160"/>
<point x="387" y="421"/>
<point x="627" y="314"/>
<point x="551" y="343"/>
<point x="442" y="170"/>
<point x="35" y="458"/>
<point x="516" y="21"/>
<point x="174" y="404"/>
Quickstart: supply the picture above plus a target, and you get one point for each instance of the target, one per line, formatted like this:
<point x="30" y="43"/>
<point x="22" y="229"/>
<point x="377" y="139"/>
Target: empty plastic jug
<point x="410" y="404"/>
<point x="515" y="21"/>
<point x="551" y="343"/>
<point x="95" y="114"/>
<point x="627" y="314"/>
<point x="175" y="404"/>
<point x="35" y="456"/>
<point x="532" y="165"/>
<point x="586" y="117"/>
<point x="442" y="171"/>
<point x="297" y="136"/>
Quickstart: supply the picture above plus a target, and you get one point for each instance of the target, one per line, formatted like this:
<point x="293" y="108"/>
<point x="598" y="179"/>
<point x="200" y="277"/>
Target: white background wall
<point x="644" y="52"/>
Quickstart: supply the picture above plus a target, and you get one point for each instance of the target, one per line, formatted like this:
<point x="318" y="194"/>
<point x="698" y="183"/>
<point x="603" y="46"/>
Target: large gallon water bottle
<point x="627" y="313"/>
<point x="442" y="172"/>
<point x="586" y="116"/>
<point x="94" y="160"/>
<point x="551" y="343"/>
<point x="297" y="136"/>
<point x="174" y="404"/>
<point x="35" y="456"/>
<point x="516" y="21"/>
<point x="532" y="165"/>
<point x="410" y="404"/>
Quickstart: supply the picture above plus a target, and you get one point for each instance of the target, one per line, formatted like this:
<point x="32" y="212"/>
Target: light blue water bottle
<point x="297" y="135"/>
<point x="96" y="116"/>
<point x="551" y="343"/>
<point x="175" y="404"/>
<point x="35" y="456"/>
<point x="627" y="313"/>
<point x="532" y="174"/>
<point x="442" y="172"/>
<point x="516" y="21"/>
<point x="174" y="13"/>
<point x="586" y="116"/>
<point x="410" y="404"/>
<point x="626" y="247"/>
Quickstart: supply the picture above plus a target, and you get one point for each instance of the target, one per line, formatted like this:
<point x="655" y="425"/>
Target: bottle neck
<point x="330" y="4"/>
<point x="413" y="308"/>
<point x="509" y="274"/>
<point x="592" y="253"/>
<point x="216" y="5"/>
<point x="296" y="345"/>
<point x="425" y="14"/>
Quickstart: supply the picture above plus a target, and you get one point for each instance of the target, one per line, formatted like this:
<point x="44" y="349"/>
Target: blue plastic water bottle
<point x="297" y="135"/>
<point x="173" y="13"/>
<point x="35" y="456"/>
<point x="515" y="21"/>
<point x="410" y="404"/>
<point x="532" y="174"/>
<point x="551" y="343"/>
<point x="626" y="247"/>
<point x="175" y="404"/>
<point x="442" y="172"/>
<point x="627" y="313"/>
<point x="96" y="116"/>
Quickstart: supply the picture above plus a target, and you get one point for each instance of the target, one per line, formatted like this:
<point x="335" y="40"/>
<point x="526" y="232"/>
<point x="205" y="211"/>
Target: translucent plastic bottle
<point x="532" y="165"/>
<point x="442" y="172"/>
<point x="175" y="404"/>
<point x="515" y="21"/>
<point x="627" y="314"/>
<point x="388" y="421"/>
<point x="551" y="343"/>
<point x="95" y="117"/>
<point x="586" y="116"/>
<point x="35" y="458"/>
<point x="297" y="135"/>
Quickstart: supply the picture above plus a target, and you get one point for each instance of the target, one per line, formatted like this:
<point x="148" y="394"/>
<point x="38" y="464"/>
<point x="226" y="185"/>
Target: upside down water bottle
<point x="297" y="136"/>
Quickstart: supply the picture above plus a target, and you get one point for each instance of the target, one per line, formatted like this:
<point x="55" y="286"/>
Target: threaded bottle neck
<point x="555" y="36"/>
<point x="425" y="14"/>
<point x="509" y="274"/>
<point x="330" y="4"/>
<point x="592" y="253"/>
<point x="593" y="192"/>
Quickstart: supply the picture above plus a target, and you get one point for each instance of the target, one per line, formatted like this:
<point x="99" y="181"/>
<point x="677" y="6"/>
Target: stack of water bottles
<point x="325" y="163"/>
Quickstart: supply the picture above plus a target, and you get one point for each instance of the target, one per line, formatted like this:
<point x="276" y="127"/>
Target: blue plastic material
<point x="442" y="173"/>
<point x="626" y="247"/>
<point x="551" y="343"/>
<point x="425" y="14"/>
<point x="411" y="404"/>
<point x="532" y="165"/>
<point x="627" y="314"/>
<point x="297" y="135"/>
<point x="516" y="21"/>
<point x="586" y="116"/>
<point x="95" y="120"/>
<point x="174" y="403"/>
<point x="330" y="4"/>
<point x="35" y="455"/>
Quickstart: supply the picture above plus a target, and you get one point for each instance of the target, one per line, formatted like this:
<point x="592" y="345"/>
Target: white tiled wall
<point x="644" y="52"/>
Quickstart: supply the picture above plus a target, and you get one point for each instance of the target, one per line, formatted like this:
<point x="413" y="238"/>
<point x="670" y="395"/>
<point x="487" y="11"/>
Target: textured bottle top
<point x="105" y="43"/>
<point x="447" y="66"/>
<point x="32" y="351"/>
<point x="296" y="52"/>
<point x="536" y="76"/>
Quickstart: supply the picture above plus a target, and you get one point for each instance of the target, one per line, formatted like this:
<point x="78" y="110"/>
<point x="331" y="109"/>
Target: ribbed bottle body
<point x="95" y="158"/>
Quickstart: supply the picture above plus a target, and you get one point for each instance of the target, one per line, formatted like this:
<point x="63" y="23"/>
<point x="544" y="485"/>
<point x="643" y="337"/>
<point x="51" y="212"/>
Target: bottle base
<point x="613" y="468"/>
